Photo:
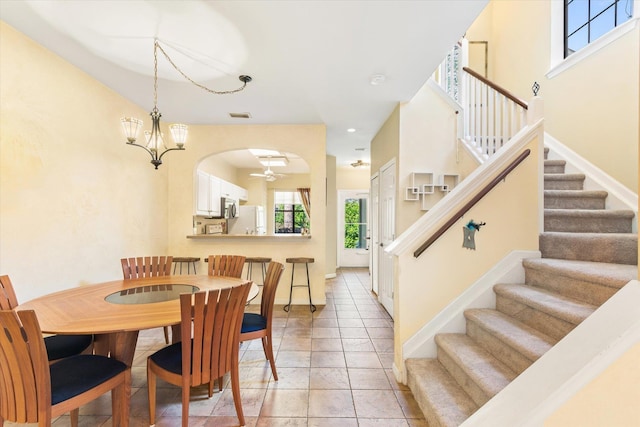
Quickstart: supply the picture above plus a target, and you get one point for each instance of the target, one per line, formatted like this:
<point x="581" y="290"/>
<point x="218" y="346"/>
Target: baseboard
<point x="399" y="374"/>
<point x="330" y="276"/>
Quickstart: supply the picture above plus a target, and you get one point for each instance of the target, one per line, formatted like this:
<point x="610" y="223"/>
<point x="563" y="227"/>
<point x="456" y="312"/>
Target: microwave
<point x="229" y="208"/>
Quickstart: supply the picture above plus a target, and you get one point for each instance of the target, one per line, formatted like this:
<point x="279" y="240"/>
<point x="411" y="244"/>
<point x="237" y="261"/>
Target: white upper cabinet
<point x="214" y="196"/>
<point x="226" y="189"/>
<point x="232" y="191"/>
<point x="242" y="194"/>
<point x="202" y="193"/>
<point x="209" y="190"/>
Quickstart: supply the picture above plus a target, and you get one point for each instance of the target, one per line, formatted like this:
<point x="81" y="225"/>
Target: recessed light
<point x="360" y="149"/>
<point x="351" y="130"/>
<point x="377" y="79"/>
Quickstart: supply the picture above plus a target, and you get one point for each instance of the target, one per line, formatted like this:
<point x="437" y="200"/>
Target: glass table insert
<point x="150" y="294"/>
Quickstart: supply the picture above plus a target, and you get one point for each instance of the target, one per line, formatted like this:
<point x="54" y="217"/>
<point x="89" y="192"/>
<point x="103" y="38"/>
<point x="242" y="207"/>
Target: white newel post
<point x="535" y="112"/>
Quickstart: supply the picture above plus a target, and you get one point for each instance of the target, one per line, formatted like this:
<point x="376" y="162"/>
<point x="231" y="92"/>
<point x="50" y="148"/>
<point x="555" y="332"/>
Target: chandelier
<point x="156" y="146"/>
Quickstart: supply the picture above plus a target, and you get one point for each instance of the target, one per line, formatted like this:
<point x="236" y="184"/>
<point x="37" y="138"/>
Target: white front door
<point x="374" y="211"/>
<point x="353" y="243"/>
<point x="387" y="234"/>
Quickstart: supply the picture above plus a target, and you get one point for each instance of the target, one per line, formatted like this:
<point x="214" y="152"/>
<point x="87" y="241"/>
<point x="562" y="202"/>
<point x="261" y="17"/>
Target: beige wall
<point x="599" y="403"/>
<point x="74" y="197"/>
<point x="353" y="178"/>
<point x="428" y="144"/>
<point x="287" y="138"/>
<point x="591" y="107"/>
<point x="386" y="144"/>
<point x="218" y="167"/>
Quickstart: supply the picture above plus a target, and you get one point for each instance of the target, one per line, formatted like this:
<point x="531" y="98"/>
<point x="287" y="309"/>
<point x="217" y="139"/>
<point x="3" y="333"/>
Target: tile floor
<point x="334" y="369"/>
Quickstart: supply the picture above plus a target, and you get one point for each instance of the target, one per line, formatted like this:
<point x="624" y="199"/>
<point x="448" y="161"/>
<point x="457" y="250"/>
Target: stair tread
<point x="597" y="213"/>
<point x="487" y="372"/>
<point x="591" y="235"/>
<point x="595" y="194"/>
<point x="451" y="404"/>
<point x="620" y="248"/>
<point x="564" y="176"/>
<point x="606" y="274"/>
<point x="558" y="306"/>
<point x="555" y="162"/>
<point x="529" y="342"/>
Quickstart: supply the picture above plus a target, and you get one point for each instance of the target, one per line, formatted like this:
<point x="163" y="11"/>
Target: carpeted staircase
<point x="588" y="253"/>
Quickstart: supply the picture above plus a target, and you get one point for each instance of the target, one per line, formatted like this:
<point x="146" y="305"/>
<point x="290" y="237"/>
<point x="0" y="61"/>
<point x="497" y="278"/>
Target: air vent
<point x="240" y="115"/>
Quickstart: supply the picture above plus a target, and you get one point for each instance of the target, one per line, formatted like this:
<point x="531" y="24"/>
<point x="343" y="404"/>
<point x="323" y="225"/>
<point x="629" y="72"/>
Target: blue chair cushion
<point x="76" y="374"/>
<point x="61" y="346"/>
<point x="169" y="358"/>
<point x="252" y="322"/>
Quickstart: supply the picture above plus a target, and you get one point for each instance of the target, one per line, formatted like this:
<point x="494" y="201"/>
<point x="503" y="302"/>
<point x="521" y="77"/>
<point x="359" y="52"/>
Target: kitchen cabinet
<point x="207" y="195"/>
<point x="243" y="194"/>
<point x="232" y="191"/>
<point x="202" y="193"/>
<point x="214" y="196"/>
<point x="226" y="189"/>
<point x="209" y="190"/>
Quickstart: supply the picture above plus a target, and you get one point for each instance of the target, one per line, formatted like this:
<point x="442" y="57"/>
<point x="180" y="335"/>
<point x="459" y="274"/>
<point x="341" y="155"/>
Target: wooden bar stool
<point x="188" y="260"/>
<point x="263" y="266"/>
<point x="306" y="262"/>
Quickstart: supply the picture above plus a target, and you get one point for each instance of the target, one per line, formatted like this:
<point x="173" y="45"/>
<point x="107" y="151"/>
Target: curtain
<point x="305" y="196"/>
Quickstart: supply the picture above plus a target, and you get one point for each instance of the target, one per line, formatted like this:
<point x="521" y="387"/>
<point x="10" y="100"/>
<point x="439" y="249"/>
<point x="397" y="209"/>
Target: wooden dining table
<point x="114" y="312"/>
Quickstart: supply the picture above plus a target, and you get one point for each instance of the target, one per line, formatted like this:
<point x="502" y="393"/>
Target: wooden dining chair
<point x="32" y="391"/>
<point x="226" y="265"/>
<point x="255" y="325"/>
<point x="140" y="267"/>
<point x="212" y="319"/>
<point x="58" y="346"/>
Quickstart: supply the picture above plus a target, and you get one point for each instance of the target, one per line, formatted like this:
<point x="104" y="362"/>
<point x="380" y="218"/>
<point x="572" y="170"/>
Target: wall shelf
<point x="423" y="186"/>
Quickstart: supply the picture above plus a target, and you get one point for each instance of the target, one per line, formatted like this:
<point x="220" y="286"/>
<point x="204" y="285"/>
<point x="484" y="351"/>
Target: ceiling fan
<point x="268" y="174"/>
<point x="359" y="164"/>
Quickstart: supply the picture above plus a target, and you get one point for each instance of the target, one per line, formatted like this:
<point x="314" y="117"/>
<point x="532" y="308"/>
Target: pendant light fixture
<point x="156" y="146"/>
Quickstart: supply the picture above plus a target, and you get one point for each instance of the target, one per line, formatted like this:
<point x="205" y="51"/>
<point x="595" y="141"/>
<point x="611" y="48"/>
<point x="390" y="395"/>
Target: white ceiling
<point x="311" y="61"/>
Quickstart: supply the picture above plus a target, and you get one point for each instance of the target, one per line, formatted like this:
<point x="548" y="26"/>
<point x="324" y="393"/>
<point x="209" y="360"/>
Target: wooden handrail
<point x="463" y="210"/>
<point x="497" y="88"/>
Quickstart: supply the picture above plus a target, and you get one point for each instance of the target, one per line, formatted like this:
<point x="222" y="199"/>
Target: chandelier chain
<point x="226" y="92"/>
<point x="155" y="77"/>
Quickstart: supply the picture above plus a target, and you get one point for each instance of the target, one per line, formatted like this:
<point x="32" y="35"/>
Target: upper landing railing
<point x="490" y="114"/>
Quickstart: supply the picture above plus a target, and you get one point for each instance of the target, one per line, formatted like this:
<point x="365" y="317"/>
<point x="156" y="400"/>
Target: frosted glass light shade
<point x="155" y="141"/>
<point x="179" y="134"/>
<point x="131" y="127"/>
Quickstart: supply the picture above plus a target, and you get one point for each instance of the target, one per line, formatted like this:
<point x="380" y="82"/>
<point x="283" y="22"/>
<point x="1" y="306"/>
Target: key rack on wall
<point x="424" y="189"/>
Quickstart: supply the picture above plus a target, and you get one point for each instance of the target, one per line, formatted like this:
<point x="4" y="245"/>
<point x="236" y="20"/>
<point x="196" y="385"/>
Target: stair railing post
<point x="536" y="109"/>
<point x="534" y="113"/>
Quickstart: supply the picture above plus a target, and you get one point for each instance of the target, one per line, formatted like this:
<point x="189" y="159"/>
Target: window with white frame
<point x="587" y="20"/>
<point x="289" y="214"/>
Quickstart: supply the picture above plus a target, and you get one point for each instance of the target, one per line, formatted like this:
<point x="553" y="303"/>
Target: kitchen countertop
<point x="249" y="236"/>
